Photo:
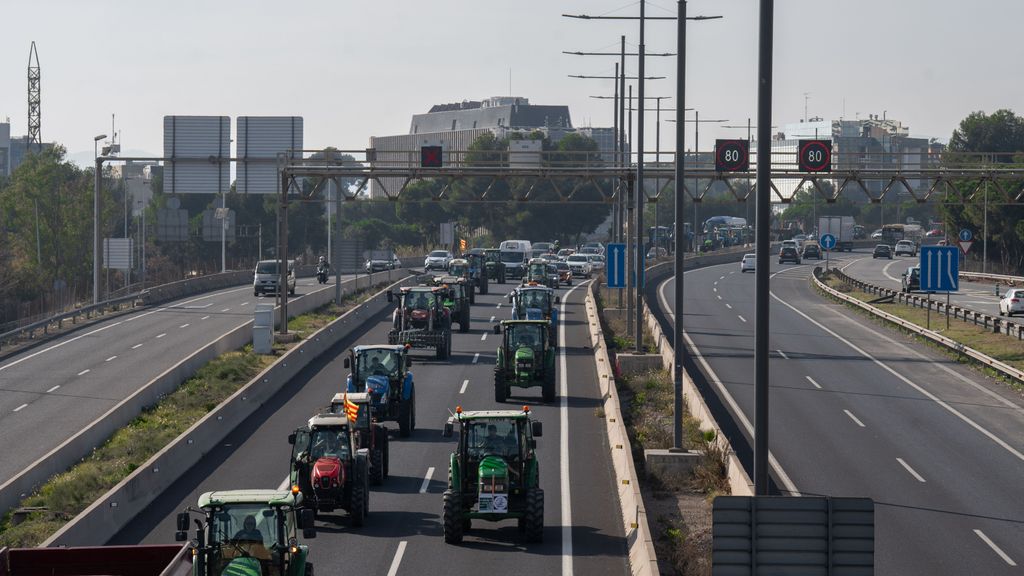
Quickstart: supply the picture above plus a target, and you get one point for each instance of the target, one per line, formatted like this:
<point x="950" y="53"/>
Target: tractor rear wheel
<point x="387" y="451"/>
<point x="483" y="283"/>
<point x="534" y="519"/>
<point x="464" y="320"/>
<point x="377" y="466"/>
<point x="359" y="493"/>
<point x="500" y="389"/>
<point x="548" y="388"/>
<point x="452" y="517"/>
<point x="405" y="424"/>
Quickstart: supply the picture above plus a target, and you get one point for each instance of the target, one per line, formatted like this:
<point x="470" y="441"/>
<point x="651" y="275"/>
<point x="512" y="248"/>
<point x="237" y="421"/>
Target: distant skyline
<point x="357" y="69"/>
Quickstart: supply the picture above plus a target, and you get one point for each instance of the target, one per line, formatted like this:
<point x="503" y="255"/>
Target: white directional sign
<point x="940" y="269"/>
<point x="966" y="235"/>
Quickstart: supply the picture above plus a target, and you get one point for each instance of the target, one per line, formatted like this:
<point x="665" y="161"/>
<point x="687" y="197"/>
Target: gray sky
<point x="355" y="69"/>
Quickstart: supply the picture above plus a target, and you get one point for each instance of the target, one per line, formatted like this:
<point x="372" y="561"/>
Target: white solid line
<point x="398" y="558"/>
<point x="426" y="479"/>
<point x="783" y="354"/>
<point x="52" y="389"/>
<point x="742" y="319"/>
<point x="476" y="358"/>
<point x="136" y="346"/>
<point x="204" y="317"/>
<point x="729" y="306"/>
<point x="861" y="424"/>
<point x="464" y="384"/>
<point x="911" y="470"/>
<point x="492" y="319"/>
<point x="225" y="310"/>
<point x="811" y="380"/>
<point x="563" y="446"/>
<point x="484" y="336"/>
<point x="20" y="407"/>
<point x="183" y="326"/>
<point x="109" y="359"/>
<point x="83" y="372"/>
<point x="1006" y="558"/>
<point x="161" y="335"/>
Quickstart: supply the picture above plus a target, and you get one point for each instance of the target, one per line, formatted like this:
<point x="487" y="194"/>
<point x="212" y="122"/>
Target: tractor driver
<point x="249" y="531"/>
<point x="327" y="443"/>
<point x="525" y="339"/>
<point x="492" y="442"/>
<point x="421" y="302"/>
<point x="377" y="368"/>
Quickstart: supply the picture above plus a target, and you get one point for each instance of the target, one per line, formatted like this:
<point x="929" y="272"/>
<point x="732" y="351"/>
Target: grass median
<point x="998" y="346"/>
<point x="69" y="493"/>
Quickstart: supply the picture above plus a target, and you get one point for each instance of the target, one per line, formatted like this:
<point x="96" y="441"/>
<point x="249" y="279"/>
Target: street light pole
<point x="641" y="194"/>
<point x="679" y="347"/>
<point x="96" y="220"/>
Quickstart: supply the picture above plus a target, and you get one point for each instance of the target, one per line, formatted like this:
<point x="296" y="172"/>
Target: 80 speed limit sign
<point x="732" y="155"/>
<point x="815" y="155"/>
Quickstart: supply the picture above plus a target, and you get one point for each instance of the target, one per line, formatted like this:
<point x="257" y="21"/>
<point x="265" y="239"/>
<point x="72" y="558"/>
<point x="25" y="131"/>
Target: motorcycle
<point x="321" y="274"/>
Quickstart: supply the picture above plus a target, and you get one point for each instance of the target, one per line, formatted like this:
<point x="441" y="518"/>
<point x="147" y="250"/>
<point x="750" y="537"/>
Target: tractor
<point x="535" y="302"/>
<point x="457" y="296"/>
<point x="383" y="372"/>
<point x="537" y="273"/>
<point x="478" y="271"/>
<point x="421" y="320"/>
<point x="369" y="433"/>
<point x="495" y="267"/>
<point x="249" y="532"/>
<point x="328" y="468"/>
<point x="494" y="474"/>
<point x="526" y="358"/>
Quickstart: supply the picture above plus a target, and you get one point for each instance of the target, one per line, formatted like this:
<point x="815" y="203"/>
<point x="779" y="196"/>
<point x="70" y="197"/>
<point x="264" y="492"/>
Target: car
<point x="266" y="277"/>
<point x="565" y="253"/>
<point x="934" y="232"/>
<point x="882" y="251"/>
<point x="380" y="260"/>
<point x="596" y="262"/>
<point x="790" y="243"/>
<point x="437" y="260"/>
<point x="1012" y="302"/>
<point x="748" y="262"/>
<point x="811" y="250"/>
<point x="905" y="247"/>
<point x="580" y="265"/>
<point x="545" y="247"/>
<point x="876" y="234"/>
<point x="656" y="252"/>
<point x="597" y="245"/>
<point x="789" y="254"/>
<point x="564" y="272"/>
<point x="911" y="279"/>
<point x="590" y="250"/>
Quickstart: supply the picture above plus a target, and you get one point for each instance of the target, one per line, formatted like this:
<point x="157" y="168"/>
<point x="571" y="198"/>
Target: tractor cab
<point x="537" y="271"/>
<point x="494" y="472"/>
<point x="457" y="296"/>
<point x="525" y="359"/>
<point x="367" y="432"/>
<point x="382" y="371"/>
<point x="459" y="267"/>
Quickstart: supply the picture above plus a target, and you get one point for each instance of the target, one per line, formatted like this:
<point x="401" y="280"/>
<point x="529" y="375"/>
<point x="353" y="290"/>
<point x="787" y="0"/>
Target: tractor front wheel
<point x="534" y="519"/>
<point x="453" y="521"/>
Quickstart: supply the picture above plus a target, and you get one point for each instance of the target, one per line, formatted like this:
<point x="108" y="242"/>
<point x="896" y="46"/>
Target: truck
<point x="839" y="226"/>
<point x="141" y="560"/>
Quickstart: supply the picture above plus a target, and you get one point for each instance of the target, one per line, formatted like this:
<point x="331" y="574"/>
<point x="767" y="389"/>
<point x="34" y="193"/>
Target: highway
<point x="53" y="390"/>
<point x="583" y="526"/>
<point x="858" y="411"/>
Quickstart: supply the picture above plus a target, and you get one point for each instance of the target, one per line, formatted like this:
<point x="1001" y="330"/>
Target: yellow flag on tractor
<point x="351" y="409"/>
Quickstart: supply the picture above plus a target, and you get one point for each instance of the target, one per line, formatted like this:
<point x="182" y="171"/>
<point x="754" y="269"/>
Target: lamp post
<point x="96" y="220"/>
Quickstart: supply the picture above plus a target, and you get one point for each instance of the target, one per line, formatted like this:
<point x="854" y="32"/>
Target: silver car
<point x="437" y="260"/>
<point x="580" y="265"/>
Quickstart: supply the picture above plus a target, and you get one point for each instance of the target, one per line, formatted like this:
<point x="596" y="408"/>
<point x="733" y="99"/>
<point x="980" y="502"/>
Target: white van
<point x="516" y="246"/>
<point x="266" y="277"/>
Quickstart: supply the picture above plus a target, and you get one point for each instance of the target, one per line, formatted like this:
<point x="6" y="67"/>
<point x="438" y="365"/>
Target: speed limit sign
<point x="815" y="155"/>
<point x="732" y="155"/>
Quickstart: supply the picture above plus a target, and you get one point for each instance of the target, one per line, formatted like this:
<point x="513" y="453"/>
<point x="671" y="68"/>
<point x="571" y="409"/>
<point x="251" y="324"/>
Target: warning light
<point x="430" y="157"/>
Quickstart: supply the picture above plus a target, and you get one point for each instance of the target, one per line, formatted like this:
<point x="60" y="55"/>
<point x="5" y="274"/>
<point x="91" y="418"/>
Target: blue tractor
<point x="383" y="372"/>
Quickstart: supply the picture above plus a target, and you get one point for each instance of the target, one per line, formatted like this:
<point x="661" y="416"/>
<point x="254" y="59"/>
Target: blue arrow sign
<point x="966" y="235"/>
<point x="828" y="241"/>
<point x="940" y="269"/>
<point x="615" y="265"/>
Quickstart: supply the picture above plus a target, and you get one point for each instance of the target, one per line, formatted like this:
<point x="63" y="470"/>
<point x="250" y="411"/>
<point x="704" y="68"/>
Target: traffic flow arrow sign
<point x="615" y="265"/>
<point x="940" y="269"/>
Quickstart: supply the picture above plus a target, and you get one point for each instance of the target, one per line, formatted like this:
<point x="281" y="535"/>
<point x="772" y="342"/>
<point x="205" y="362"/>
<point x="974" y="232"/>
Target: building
<point x="13" y="150"/>
<point x="5" y="149"/>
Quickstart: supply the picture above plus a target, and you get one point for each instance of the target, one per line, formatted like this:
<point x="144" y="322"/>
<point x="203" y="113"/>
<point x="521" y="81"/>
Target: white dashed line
<point x="714" y="289"/>
<point x="729" y="306"/>
<point x="183" y="326"/>
<point x="484" y="336"/>
<point x="811" y="380"/>
<point x="398" y="558"/>
<point x="911" y="470"/>
<point x="861" y="424"/>
<point x="136" y="346"/>
<point x="161" y="335"/>
<point x="783" y="354"/>
<point x="1006" y="558"/>
<point x="245" y="303"/>
<point x="721" y="277"/>
<point x="20" y="407"/>
<point x="53" y="388"/>
<point x="718" y="296"/>
<point x="499" y="305"/>
<point x="742" y="319"/>
<point x="109" y="359"/>
<point x="83" y="372"/>
<point x="225" y="310"/>
<point x="716" y="283"/>
<point x="426" y="479"/>
<point x="204" y="317"/>
<point x="464" y="384"/>
<point x="476" y="358"/>
<point x="492" y="318"/>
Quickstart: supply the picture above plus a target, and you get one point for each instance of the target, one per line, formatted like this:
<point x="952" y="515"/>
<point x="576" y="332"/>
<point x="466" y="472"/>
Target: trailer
<point x="839" y="226"/>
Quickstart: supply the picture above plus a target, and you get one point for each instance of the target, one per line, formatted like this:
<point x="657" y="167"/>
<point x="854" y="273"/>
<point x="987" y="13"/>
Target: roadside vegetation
<point x="68" y="494"/>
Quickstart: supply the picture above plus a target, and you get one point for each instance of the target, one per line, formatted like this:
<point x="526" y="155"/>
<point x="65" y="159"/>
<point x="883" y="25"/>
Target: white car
<point x="596" y="262"/>
<point x="580" y="265"/>
<point x="905" y="247"/>
<point x="1012" y="302"/>
<point x="748" y="263"/>
<point x="438" y="259"/>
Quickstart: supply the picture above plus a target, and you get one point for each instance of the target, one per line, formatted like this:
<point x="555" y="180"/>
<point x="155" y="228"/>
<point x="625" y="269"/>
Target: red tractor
<point x="422" y="320"/>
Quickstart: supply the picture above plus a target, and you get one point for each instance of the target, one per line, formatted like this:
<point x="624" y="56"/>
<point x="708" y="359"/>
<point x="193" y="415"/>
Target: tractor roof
<point x="365" y="348"/>
<point x="328" y="421"/>
<point x="493" y="414"/>
<point x="533" y="286"/>
<point x="458" y="261"/>
<point x="264" y="496"/>
<point x="354" y="397"/>
<point x="407" y="289"/>
<point x="525" y="322"/>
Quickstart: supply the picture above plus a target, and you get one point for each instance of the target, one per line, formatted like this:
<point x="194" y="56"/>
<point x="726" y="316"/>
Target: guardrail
<point x="994" y="323"/>
<point x="1001" y="367"/>
<point x="997" y="278"/>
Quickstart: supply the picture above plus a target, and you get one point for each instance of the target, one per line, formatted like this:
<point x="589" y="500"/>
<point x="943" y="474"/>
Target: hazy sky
<point x="354" y="69"/>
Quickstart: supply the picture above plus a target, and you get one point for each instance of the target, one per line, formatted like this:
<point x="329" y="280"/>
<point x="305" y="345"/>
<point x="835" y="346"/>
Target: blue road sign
<point x="828" y="241"/>
<point x="615" y="265"/>
<point x="966" y="235"/>
<point x="940" y="268"/>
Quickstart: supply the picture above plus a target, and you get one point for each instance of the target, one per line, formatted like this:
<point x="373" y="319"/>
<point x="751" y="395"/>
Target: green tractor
<point x="494" y="474"/>
<point x="495" y="267"/>
<point x="457" y="296"/>
<point x="249" y="532"/>
<point x="526" y="358"/>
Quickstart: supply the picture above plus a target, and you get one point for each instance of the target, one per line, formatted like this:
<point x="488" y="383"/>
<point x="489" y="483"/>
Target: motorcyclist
<point x="322" y="268"/>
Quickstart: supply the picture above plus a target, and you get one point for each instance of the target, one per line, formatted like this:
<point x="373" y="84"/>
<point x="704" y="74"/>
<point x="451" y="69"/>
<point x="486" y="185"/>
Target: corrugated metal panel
<point x="403" y="151"/>
<point x="260" y="140"/>
<point x="190" y="142"/>
<point x="782" y="535"/>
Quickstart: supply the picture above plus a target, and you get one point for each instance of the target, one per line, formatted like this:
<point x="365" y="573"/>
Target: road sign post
<point x="615" y="265"/>
<point x="827" y="242"/>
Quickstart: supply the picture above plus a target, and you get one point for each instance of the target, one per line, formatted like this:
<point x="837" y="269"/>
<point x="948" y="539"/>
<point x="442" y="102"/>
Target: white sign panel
<point x="260" y="140"/>
<point x="199" y="148"/>
<point x="117" y="253"/>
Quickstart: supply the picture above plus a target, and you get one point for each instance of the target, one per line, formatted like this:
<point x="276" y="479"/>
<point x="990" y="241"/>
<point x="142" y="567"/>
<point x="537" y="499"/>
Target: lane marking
<point x="426" y="479"/>
<point x="718" y="296"/>
<point x="811" y="380"/>
<point x="859" y="423"/>
<point x="225" y="310"/>
<point x="742" y="319"/>
<point x="476" y="358"/>
<point x="109" y="359"/>
<point x="911" y="470"/>
<point x="772" y="461"/>
<point x="183" y="326"/>
<point x="20" y="407"/>
<point x="161" y="335"/>
<point x="1006" y="558"/>
<point x="204" y="317"/>
<point x="716" y="283"/>
<point x="492" y="319"/>
<point x="720" y="278"/>
<point x="53" y="388"/>
<point x="783" y="354"/>
<point x="885" y="272"/>
<point x="499" y="305"/>
<point x="398" y="558"/>
<point x="483" y="336"/>
<point x="207" y="305"/>
<point x="245" y="303"/>
<point x="83" y="372"/>
<point x="714" y="289"/>
<point x="729" y="306"/>
<point x="563" y="445"/>
<point x="136" y="346"/>
<point x="464" y="384"/>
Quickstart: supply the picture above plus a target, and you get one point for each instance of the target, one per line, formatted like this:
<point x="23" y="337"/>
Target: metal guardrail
<point x="42" y="328"/>
<point x="997" y="278"/>
<point x="994" y="323"/>
<point x="1002" y="368"/>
